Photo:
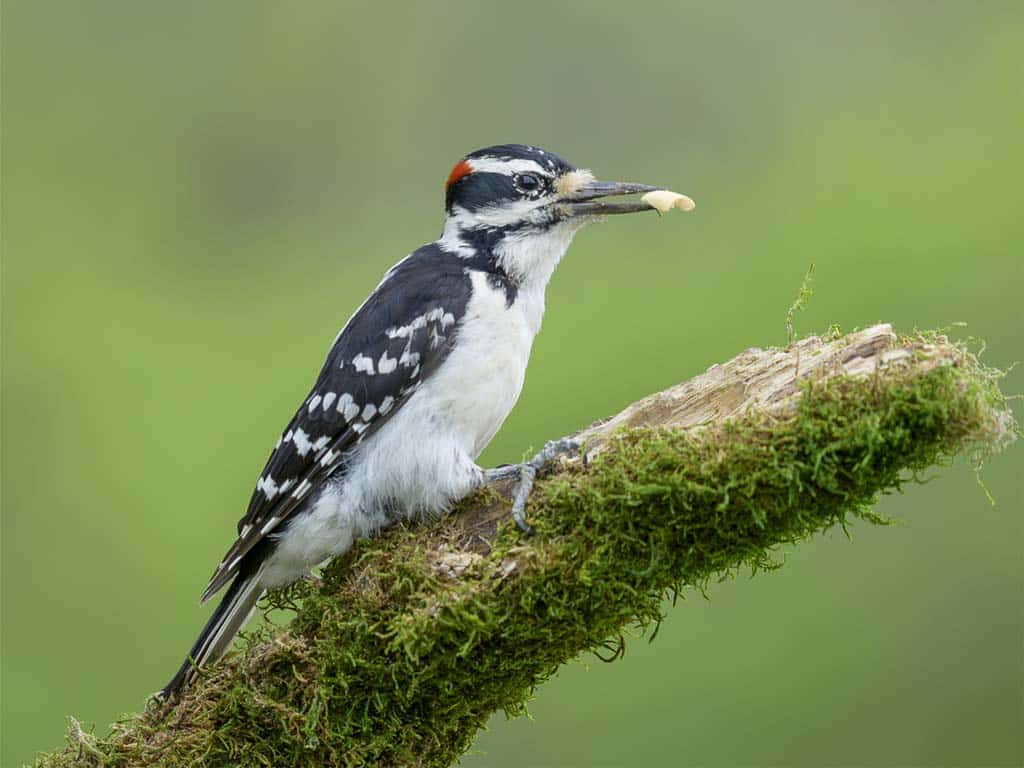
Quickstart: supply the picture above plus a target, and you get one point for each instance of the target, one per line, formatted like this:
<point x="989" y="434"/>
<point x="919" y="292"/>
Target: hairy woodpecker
<point x="417" y="382"/>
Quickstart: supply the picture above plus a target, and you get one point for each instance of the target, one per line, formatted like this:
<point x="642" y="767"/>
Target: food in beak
<point x="663" y="200"/>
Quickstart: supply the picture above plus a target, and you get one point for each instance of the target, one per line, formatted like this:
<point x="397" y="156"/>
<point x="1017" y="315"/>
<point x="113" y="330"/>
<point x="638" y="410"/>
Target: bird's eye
<point x="528" y="182"/>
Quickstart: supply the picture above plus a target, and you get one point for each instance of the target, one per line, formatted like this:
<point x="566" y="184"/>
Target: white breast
<point x="477" y="386"/>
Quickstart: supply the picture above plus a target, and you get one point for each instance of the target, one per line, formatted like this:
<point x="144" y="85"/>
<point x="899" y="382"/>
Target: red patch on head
<point x="462" y="168"/>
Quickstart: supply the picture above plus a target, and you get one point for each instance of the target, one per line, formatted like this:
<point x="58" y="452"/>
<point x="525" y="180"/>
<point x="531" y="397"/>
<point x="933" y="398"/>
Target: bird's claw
<point x="525" y="475"/>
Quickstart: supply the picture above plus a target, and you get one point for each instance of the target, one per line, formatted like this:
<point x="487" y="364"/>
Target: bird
<point x="416" y="384"/>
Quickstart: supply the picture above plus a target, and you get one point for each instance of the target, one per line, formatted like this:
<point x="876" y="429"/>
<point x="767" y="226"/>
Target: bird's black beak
<point x="585" y="201"/>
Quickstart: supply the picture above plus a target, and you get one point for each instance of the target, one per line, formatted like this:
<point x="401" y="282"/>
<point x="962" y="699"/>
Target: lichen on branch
<point x="415" y="638"/>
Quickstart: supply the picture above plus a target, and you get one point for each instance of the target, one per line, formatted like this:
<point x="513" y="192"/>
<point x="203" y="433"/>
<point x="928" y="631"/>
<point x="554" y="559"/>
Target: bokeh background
<point x="196" y="195"/>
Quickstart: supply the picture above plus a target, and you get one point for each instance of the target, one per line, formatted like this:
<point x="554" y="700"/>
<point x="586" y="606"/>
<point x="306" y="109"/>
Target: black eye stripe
<point x="482" y="189"/>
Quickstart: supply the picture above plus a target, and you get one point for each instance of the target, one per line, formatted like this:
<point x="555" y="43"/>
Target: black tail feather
<point x="214" y="641"/>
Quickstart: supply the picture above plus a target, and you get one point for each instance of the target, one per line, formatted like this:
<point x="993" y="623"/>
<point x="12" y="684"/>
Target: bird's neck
<point x="528" y="256"/>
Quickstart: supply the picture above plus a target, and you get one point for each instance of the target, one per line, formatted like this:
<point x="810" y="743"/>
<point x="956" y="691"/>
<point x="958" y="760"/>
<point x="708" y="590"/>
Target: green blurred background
<point x="196" y="195"/>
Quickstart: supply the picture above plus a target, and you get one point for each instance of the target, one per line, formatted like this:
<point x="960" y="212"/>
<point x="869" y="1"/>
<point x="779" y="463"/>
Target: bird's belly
<point x="478" y="385"/>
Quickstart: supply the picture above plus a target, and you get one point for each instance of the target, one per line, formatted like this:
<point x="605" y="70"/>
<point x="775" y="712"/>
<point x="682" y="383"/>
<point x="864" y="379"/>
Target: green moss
<point x="396" y="662"/>
<point x="799" y="303"/>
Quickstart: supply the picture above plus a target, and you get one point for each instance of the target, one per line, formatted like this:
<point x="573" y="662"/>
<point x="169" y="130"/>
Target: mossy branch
<point x="417" y="637"/>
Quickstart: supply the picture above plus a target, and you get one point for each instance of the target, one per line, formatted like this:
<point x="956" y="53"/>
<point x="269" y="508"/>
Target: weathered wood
<point x="767" y="379"/>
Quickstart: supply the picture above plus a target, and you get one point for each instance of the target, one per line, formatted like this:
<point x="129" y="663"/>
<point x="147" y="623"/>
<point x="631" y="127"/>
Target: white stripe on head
<point x="506" y="166"/>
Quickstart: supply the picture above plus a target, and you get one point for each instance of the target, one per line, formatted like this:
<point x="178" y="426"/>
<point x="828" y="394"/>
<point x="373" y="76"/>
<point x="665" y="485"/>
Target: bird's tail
<point x="230" y="616"/>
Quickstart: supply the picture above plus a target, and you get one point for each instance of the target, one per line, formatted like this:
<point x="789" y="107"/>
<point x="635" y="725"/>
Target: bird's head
<point x="521" y="205"/>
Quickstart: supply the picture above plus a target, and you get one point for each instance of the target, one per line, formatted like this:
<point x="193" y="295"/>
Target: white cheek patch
<point x="573" y="181"/>
<point x="506" y="214"/>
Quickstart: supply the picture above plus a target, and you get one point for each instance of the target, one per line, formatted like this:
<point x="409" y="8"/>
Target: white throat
<point x="530" y="258"/>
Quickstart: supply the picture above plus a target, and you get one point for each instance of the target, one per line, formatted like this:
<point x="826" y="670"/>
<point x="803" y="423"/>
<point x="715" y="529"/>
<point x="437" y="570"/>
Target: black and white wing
<point x="393" y="343"/>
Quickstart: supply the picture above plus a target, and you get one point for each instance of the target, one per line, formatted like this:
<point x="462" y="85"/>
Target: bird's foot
<point x="526" y="473"/>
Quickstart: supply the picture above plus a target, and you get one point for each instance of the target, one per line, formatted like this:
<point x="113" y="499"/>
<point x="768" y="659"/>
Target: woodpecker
<point x="416" y="383"/>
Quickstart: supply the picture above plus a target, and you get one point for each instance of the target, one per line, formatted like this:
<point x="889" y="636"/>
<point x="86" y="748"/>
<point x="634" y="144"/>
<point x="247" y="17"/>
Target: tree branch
<point x="417" y="636"/>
